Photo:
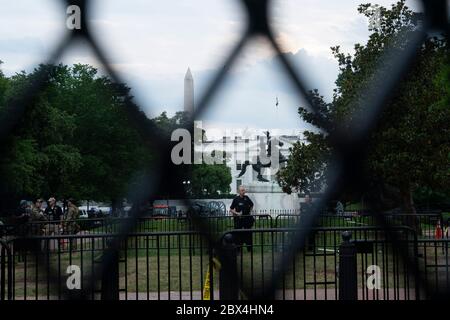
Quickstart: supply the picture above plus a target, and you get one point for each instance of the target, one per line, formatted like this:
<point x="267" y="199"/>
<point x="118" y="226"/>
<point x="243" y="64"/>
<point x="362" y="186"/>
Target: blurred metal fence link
<point x="347" y="145"/>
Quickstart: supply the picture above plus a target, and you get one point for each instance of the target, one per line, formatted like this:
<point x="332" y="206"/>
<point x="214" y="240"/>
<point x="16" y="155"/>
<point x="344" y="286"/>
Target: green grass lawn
<point x="153" y="262"/>
<point x="181" y="269"/>
<point x="189" y="274"/>
<point x="218" y="226"/>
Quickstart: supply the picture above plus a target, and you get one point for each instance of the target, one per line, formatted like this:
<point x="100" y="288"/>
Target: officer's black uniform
<point x="54" y="214"/>
<point x="245" y="221"/>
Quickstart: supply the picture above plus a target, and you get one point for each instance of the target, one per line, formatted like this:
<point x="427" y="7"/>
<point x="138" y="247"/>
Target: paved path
<point x="300" y="294"/>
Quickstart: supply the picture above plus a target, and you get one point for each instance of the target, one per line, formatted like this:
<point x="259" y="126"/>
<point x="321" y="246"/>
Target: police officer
<point x="240" y="208"/>
<point x="37" y="218"/>
<point x="70" y="224"/>
<point x="54" y="214"/>
<point x="53" y="211"/>
<point x="21" y="218"/>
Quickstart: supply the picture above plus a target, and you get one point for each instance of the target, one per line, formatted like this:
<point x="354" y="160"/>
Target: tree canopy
<point x="410" y="146"/>
<point x="205" y="180"/>
<point x="75" y="140"/>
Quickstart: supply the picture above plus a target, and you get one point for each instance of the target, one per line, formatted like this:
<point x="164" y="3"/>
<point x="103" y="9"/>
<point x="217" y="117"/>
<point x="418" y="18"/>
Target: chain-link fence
<point x="348" y="146"/>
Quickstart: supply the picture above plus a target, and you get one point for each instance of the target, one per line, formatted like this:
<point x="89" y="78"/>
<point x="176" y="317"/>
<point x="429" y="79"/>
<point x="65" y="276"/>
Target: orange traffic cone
<point x="438" y="231"/>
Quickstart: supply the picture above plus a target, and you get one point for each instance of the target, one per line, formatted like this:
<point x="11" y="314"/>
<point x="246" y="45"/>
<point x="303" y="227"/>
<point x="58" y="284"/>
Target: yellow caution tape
<point x="207" y="287"/>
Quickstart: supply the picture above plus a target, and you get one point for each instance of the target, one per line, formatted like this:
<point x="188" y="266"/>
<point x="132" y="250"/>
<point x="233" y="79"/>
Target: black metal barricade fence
<point x="314" y="273"/>
<point x="183" y="265"/>
<point x="434" y="260"/>
<point x="215" y="224"/>
<point x="6" y="271"/>
<point x="424" y="223"/>
<point x="150" y="265"/>
<point x="348" y="140"/>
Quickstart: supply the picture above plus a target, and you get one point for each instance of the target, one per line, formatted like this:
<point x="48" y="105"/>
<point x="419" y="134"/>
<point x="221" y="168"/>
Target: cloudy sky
<point x="152" y="43"/>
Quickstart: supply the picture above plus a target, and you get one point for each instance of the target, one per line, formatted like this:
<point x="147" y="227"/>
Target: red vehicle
<point x="163" y="211"/>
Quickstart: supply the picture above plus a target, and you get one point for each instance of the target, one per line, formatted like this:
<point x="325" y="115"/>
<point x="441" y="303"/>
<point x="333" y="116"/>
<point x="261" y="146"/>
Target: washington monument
<point x="188" y="92"/>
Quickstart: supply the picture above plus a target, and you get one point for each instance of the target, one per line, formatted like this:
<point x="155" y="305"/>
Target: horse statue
<point x="258" y="165"/>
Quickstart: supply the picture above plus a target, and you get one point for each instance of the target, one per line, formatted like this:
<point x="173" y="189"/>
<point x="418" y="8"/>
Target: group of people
<point x="48" y="221"/>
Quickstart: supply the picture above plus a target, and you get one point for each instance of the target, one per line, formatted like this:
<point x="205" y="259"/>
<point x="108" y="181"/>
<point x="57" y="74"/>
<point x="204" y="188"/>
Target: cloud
<point x="319" y="72"/>
<point x="24" y="45"/>
<point x="249" y="95"/>
<point x="152" y="43"/>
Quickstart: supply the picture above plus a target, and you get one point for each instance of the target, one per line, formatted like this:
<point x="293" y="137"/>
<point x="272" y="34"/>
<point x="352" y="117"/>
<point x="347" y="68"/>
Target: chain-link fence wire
<point x="348" y="141"/>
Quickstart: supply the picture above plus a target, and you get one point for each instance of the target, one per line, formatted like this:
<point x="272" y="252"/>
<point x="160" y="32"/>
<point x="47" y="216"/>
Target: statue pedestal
<point x="269" y="198"/>
<point x="263" y="187"/>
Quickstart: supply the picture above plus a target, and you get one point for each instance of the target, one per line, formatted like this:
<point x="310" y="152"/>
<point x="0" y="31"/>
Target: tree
<point x="75" y="140"/>
<point x="210" y="180"/>
<point x="410" y="146"/>
<point x="205" y="180"/>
